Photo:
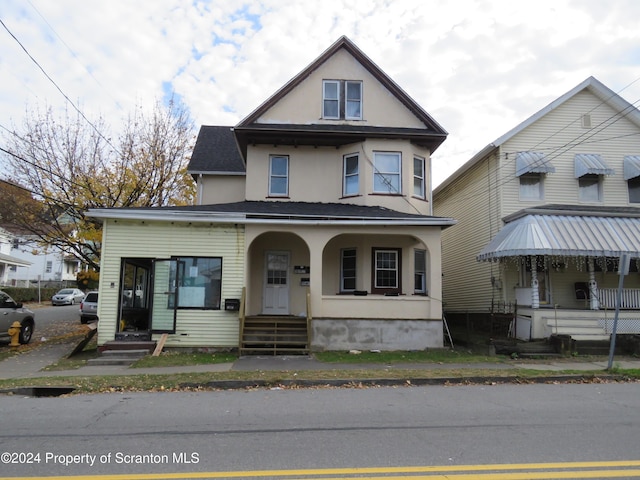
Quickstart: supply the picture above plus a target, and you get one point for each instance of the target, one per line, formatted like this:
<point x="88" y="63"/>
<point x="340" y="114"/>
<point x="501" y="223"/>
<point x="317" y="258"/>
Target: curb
<point x="408" y="382"/>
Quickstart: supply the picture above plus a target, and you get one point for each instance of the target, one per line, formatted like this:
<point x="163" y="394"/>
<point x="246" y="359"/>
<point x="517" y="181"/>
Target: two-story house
<point x="316" y="206"/>
<point x="9" y="264"/>
<point x="544" y="213"/>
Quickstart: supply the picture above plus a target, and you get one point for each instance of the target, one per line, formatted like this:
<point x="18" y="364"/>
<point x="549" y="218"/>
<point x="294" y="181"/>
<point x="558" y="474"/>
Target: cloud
<point x="478" y="67"/>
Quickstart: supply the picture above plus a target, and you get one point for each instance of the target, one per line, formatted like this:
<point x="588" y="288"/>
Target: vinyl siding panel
<point x="560" y="135"/>
<point x="194" y="328"/>
<point x="473" y="200"/>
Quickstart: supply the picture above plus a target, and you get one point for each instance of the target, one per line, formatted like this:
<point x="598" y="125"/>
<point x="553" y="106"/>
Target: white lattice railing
<point x="630" y="299"/>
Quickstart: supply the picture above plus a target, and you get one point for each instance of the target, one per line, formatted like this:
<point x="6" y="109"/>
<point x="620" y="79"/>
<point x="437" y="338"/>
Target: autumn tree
<point x="71" y="164"/>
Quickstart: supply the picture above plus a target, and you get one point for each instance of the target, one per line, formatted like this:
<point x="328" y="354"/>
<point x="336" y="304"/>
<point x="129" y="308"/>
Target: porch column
<point x="594" y="302"/>
<point x="535" y="294"/>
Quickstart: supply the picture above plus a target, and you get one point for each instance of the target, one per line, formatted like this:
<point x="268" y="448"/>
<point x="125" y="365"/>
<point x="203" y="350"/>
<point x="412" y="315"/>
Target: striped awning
<point x="631" y="166"/>
<point x="533" y="162"/>
<point x="565" y="235"/>
<point x="590" y="164"/>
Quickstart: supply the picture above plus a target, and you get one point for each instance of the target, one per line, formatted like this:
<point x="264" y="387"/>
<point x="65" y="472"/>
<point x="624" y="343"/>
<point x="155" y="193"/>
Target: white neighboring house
<point x="47" y="264"/>
<point x="10" y="265"/>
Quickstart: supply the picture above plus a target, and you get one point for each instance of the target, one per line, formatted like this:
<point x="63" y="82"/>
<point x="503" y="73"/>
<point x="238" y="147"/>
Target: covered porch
<point x="560" y="265"/>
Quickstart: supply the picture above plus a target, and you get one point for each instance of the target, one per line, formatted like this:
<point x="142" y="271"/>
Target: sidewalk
<point x="29" y="365"/>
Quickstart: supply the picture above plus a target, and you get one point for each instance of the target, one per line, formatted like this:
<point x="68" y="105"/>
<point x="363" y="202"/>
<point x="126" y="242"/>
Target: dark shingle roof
<point x="300" y="210"/>
<point x="216" y="150"/>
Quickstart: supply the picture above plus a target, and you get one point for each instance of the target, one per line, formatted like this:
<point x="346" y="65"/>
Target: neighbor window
<point x="347" y="269"/>
<point x="49" y="267"/>
<point x="278" y="176"/>
<point x="333" y="93"/>
<point x="590" y="188"/>
<point x="351" y="182"/>
<point x="386" y="172"/>
<point x="199" y="282"/>
<point x="531" y="186"/>
<point x="633" y="185"/>
<point x="420" y="271"/>
<point x="386" y="270"/>
<point x="418" y="177"/>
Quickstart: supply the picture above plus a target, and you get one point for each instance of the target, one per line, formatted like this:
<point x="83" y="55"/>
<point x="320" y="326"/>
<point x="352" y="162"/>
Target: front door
<point x="276" y="284"/>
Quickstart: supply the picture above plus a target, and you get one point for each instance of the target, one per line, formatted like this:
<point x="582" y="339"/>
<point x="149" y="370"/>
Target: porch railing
<point x="630" y="299"/>
<point x="241" y="316"/>
<point x="309" y="318"/>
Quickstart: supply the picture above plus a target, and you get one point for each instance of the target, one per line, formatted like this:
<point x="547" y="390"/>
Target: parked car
<point x="10" y="312"/>
<point x="67" y="296"/>
<point x="89" y="308"/>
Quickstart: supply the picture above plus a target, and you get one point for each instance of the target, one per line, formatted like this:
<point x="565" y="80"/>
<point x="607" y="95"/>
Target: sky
<point x="478" y="67"/>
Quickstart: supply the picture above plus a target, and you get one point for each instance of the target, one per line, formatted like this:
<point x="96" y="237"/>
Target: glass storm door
<point x="276" y="284"/>
<point x="163" y="309"/>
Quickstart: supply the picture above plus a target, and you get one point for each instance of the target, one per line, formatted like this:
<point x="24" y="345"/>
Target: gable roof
<point x="216" y="151"/>
<point x="601" y="91"/>
<point x="248" y="130"/>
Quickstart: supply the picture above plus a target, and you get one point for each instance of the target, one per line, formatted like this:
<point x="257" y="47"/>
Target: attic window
<point x="333" y="105"/>
<point x="586" y="120"/>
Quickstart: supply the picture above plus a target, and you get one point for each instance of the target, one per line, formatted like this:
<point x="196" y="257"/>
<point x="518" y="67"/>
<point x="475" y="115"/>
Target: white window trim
<point x="346" y="99"/>
<point x="271" y="176"/>
<point x="324" y="99"/>
<point x="423" y="193"/>
<point x="581" y="189"/>
<point x="342" y="277"/>
<point x="423" y="289"/>
<point x="345" y="175"/>
<point x="540" y="179"/>
<point x="381" y="173"/>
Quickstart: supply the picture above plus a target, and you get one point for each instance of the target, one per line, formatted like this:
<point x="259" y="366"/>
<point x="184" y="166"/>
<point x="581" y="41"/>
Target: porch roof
<point x="570" y="235"/>
<point x="276" y="212"/>
<point x="9" y="260"/>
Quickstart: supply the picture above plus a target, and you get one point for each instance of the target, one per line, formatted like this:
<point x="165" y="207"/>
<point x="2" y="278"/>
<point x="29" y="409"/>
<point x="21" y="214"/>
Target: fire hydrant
<point x="14" y="334"/>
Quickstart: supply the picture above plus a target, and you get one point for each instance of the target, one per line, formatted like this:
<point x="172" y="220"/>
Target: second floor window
<point x="278" y="176"/>
<point x="386" y="173"/>
<point x="590" y="188"/>
<point x="351" y="181"/>
<point x="531" y="186"/>
<point x="418" y="177"/>
<point x="634" y="189"/>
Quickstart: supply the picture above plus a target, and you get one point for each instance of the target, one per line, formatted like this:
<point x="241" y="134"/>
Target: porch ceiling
<point x="565" y="235"/>
<point x="9" y="260"/>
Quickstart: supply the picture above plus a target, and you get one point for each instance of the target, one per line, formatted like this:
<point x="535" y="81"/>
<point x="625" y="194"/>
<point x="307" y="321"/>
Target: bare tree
<point x="71" y="164"/>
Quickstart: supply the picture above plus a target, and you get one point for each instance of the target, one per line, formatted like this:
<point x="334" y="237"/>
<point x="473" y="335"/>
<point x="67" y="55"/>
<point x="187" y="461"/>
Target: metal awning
<point x="9" y="260"/>
<point x="565" y="235"/>
<point x="631" y="167"/>
<point x="532" y="162"/>
<point x="590" y="164"/>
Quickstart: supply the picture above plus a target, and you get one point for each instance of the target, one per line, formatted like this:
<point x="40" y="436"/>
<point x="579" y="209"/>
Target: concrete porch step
<point x="118" y="357"/>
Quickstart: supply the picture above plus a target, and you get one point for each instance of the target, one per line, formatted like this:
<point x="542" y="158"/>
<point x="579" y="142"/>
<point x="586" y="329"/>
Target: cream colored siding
<point x="213" y="189"/>
<point x="303" y="105"/>
<point x="474" y="201"/>
<point x="124" y="239"/>
<point x="315" y="174"/>
<point x="560" y="135"/>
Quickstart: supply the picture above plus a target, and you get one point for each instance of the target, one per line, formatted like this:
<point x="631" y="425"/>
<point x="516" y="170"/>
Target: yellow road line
<point x="576" y="471"/>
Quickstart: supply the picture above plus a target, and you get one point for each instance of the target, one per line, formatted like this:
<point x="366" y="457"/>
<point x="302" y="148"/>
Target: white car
<point x="67" y="296"/>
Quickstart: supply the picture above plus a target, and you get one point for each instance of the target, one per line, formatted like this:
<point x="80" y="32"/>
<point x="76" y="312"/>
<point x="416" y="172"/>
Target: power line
<point x="75" y="56"/>
<point x="58" y="88"/>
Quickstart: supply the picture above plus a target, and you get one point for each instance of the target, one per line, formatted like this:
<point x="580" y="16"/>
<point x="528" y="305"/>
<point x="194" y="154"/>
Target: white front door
<point x="276" y="284"/>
